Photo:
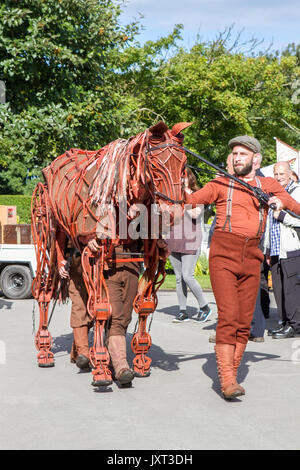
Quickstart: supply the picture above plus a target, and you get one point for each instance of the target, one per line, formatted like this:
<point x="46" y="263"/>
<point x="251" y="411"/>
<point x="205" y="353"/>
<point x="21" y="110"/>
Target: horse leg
<point x="99" y="357"/>
<point x="99" y="309"/>
<point x="141" y="340"/>
<point x="44" y="281"/>
<point x="43" y="338"/>
<point x="145" y="304"/>
<point x="140" y="345"/>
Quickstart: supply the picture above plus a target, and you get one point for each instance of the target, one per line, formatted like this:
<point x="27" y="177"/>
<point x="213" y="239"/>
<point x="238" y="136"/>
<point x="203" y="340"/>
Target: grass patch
<point x="170" y="282"/>
<point x="22" y="203"/>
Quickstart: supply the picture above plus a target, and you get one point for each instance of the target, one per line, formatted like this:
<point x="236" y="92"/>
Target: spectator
<point x="294" y="177"/>
<point x="261" y="311"/>
<point x="185" y="246"/>
<point x="283" y="249"/>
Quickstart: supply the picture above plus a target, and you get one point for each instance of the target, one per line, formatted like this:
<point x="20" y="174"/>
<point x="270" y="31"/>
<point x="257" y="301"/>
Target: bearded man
<point x="235" y="257"/>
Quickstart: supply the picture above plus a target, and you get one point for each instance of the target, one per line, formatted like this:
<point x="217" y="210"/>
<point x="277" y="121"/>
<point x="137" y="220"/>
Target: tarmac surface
<point x="177" y="407"/>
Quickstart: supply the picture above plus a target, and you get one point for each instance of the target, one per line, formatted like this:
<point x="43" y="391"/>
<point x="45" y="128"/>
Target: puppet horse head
<point x="147" y="168"/>
<point x="160" y="164"/>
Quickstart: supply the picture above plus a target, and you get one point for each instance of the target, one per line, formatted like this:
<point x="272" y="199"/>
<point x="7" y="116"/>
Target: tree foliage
<point x="57" y="59"/>
<point x="225" y="93"/>
<point x="75" y="78"/>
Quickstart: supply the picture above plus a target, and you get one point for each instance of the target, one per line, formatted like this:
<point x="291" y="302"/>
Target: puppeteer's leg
<point x="117" y="351"/>
<point x="122" y="285"/>
<point x="80" y="320"/>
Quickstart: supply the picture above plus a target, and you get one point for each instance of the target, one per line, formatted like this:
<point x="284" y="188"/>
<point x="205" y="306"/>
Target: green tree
<point x="58" y="61"/>
<point x="224" y="90"/>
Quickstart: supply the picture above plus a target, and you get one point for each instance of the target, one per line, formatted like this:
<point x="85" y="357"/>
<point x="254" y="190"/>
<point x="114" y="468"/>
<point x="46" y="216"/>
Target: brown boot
<point x="229" y="386"/>
<point x="80" y="351"/>
<point x="117" y="351"/>
<point x="73" y="353"/>
<point x="237" y="358"/>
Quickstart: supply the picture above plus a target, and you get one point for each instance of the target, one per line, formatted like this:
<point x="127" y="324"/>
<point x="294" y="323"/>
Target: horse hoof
<point x="146" y="374"/>
<point x="46" y="365"/>
<point x="101" y="383"/>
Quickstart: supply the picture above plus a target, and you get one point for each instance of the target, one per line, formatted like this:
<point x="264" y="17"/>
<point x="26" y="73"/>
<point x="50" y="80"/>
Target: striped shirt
<point x="275" y="230"/>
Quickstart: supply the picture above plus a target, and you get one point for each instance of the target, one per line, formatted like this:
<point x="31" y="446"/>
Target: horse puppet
<point x="86" y="195"/>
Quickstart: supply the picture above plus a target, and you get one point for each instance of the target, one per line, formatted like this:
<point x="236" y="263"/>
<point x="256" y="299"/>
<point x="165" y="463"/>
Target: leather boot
<point x="73" y="353"/>
<point x="237" y="357"/>
<point x="81" y="347"/>
<point x="229" y="386"/>
<point x="117" y="350"/>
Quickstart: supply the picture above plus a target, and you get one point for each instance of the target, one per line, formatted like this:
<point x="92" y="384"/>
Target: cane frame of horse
<point x="81" y="187"/>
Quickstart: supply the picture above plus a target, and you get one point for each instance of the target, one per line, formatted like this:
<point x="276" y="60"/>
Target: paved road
<point x="177" y="407"/>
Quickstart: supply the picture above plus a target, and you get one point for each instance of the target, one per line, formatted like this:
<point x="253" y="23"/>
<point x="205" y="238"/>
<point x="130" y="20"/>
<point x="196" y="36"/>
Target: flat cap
<point x="250" y="142"/>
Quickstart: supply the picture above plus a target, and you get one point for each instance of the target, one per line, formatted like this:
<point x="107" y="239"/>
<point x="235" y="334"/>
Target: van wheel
<point x="15" y="281"/>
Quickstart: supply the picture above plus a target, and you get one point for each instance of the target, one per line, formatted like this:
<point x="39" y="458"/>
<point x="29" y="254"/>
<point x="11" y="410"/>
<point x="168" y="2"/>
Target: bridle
<point x="158" y="194"/>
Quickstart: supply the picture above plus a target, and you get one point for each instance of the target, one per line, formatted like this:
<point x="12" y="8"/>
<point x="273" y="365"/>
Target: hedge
<point x="22" y="203"/>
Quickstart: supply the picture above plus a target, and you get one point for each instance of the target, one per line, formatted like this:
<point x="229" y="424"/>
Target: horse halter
<point x="147" y="168"/>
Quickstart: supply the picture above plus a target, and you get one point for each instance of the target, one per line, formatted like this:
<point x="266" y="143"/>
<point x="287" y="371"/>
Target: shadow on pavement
<point x="174" y="309"/>
<point x="62" y="343"/>
<point x="172" y="361"/>
<point x="249" y="358"/>
<point x="5" y="304"/>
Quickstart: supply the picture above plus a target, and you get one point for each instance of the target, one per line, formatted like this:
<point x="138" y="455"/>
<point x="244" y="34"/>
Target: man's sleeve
<point x="288" y="219"/>
<point x="206" y="195"/>
<point x="288" y="201"/>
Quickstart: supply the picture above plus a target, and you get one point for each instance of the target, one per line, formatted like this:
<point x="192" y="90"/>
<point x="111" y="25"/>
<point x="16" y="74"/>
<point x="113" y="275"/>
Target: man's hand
<point x="164" y="251"/>
<point x="133" y="211"/>
<point x="275" y="200"/>
<point x="64" y="274"/>
<point x="93" y="245"/>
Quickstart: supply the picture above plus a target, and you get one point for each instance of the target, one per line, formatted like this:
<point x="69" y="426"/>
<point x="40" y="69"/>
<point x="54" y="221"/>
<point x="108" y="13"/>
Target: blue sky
<point x="276" y="21"/>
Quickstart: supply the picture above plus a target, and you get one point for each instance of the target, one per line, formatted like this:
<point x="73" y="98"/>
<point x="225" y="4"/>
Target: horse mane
<point x="110" y="181"/>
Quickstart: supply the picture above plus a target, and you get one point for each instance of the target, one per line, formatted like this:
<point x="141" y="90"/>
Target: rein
<point x="258" y="192"/>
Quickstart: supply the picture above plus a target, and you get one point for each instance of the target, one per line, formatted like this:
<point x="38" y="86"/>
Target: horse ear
<point x="177" y="128"/>
<point x="159" y="129"/>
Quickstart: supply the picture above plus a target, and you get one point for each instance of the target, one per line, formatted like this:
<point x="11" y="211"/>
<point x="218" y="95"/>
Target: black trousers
<point x="262" y="306"/>
<point x="258" y="324"/>
<point x="286" y="287"/>
<point x="264" y="288"/>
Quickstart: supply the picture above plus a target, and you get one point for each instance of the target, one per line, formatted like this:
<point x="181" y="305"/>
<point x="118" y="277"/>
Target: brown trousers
<point x="122" y="283"/>
<point x="234" y="264"/>
<point x="78" y="295"/>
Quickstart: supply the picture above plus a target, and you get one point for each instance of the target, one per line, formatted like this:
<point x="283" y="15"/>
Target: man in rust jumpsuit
<point x="234" y="258"/>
